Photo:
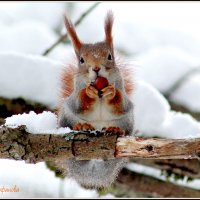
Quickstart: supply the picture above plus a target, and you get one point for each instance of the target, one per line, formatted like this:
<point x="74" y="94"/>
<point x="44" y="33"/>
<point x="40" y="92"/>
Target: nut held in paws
<point x="100" y="83"/>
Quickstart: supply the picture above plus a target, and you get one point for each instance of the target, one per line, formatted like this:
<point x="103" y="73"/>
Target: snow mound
<point x="188" y="93"/>
<point x="151" y="107"/>
<point x="45" y="122"/>
<point x="34" y="78"/>
<point x="26" y="180"/>
<point x="153" y="116"/>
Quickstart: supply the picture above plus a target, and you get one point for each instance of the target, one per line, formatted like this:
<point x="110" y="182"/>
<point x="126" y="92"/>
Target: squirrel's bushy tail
<point x="95" y="173"/>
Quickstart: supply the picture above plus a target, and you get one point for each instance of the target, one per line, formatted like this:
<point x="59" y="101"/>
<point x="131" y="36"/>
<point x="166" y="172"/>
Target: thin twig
<point x="64" y="37"/>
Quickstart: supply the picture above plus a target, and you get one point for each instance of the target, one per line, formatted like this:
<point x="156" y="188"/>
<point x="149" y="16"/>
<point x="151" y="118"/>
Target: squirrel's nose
<point x="96" y="69"/>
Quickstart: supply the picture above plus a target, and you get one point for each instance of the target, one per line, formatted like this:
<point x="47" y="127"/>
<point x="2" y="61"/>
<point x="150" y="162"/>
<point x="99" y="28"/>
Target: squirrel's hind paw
<point x="114" y="130"/>
<point x="83" y="127"/>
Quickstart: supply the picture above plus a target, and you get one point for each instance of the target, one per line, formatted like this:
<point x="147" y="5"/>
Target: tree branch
<point x="158" y="148"/>
<point x="2" y="121"/>
<point x="64" y="37"/>
<point x="17" y="144"/>
<point x="9" y="107"/>
<point x="129" y="184"/>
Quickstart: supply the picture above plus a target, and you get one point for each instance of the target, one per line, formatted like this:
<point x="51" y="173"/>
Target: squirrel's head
<point x="94" y="59"/>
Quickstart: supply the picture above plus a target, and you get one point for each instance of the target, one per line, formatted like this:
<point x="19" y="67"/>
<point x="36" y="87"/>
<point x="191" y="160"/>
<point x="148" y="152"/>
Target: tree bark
<point x="2" y="121"/>
<point x="158" y="148"/>
<point x="18" y="144"/>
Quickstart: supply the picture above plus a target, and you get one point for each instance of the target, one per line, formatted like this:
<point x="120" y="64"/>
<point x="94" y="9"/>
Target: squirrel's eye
<point x="109" y="56"/>
<point x="81" y="60"/>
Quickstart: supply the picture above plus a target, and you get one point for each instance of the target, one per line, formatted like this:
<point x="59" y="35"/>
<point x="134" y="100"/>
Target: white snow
<point x="45" y="122"/>
<point x="36" y="180"/>
<point x="163" y="66"/>
<point x="107" y="196"/>
<point x="27" y="36"/>
<point x="34" y="78"/>
<point x="62" y="53"/>
<point x="153" y="116"/>
<point x="50" y="13"/>
<point x="188" y="93"/>
<point x="150" y="107"/>
<point x="178" y="125"/>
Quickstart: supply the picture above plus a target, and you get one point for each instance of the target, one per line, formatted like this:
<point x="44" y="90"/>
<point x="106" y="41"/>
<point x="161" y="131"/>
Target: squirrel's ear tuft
<point x="72" y="33"/>
<point x="108" y="28"/>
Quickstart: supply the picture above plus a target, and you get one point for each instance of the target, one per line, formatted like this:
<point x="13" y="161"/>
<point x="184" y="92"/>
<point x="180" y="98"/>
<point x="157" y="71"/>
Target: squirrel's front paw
<point x="109" y="92"/>
<point x="91" y="92"/>
<point x="83" y="127"/>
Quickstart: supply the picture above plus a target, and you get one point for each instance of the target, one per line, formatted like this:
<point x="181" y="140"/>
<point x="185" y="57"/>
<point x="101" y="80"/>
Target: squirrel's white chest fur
<point x="100" y="116"/>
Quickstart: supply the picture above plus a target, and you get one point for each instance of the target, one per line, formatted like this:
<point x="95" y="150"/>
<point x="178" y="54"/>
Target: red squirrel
<point x="95" y="95"/>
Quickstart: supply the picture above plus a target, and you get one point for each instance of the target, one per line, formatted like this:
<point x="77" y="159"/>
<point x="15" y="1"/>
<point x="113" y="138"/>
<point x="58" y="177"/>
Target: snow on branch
<point x="129" y="182"/>
<point x="18" y="144"/>
<point x="181" y="167"/>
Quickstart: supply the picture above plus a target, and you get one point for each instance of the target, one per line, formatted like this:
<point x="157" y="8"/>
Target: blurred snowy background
<point x="161" y="40"/>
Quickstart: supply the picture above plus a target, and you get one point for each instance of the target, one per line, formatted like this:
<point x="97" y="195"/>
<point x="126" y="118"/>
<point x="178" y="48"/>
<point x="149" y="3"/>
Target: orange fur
<point x="86" y="101"/>
<point x="108" y="28"/>
<point x="67" y="84"/>
<point x="128" y="80"/>
<point x="67" y="79"/>
<point x="116" y="103"/>
<point x="84" y="127"/>
<point x="72" y="33"/>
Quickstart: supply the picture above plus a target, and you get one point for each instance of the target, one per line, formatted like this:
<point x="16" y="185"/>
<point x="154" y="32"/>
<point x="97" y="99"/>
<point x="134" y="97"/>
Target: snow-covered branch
<point x="181" y="167"/>
<point x="18" y="144"/>
<point x="129" y="182"/>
